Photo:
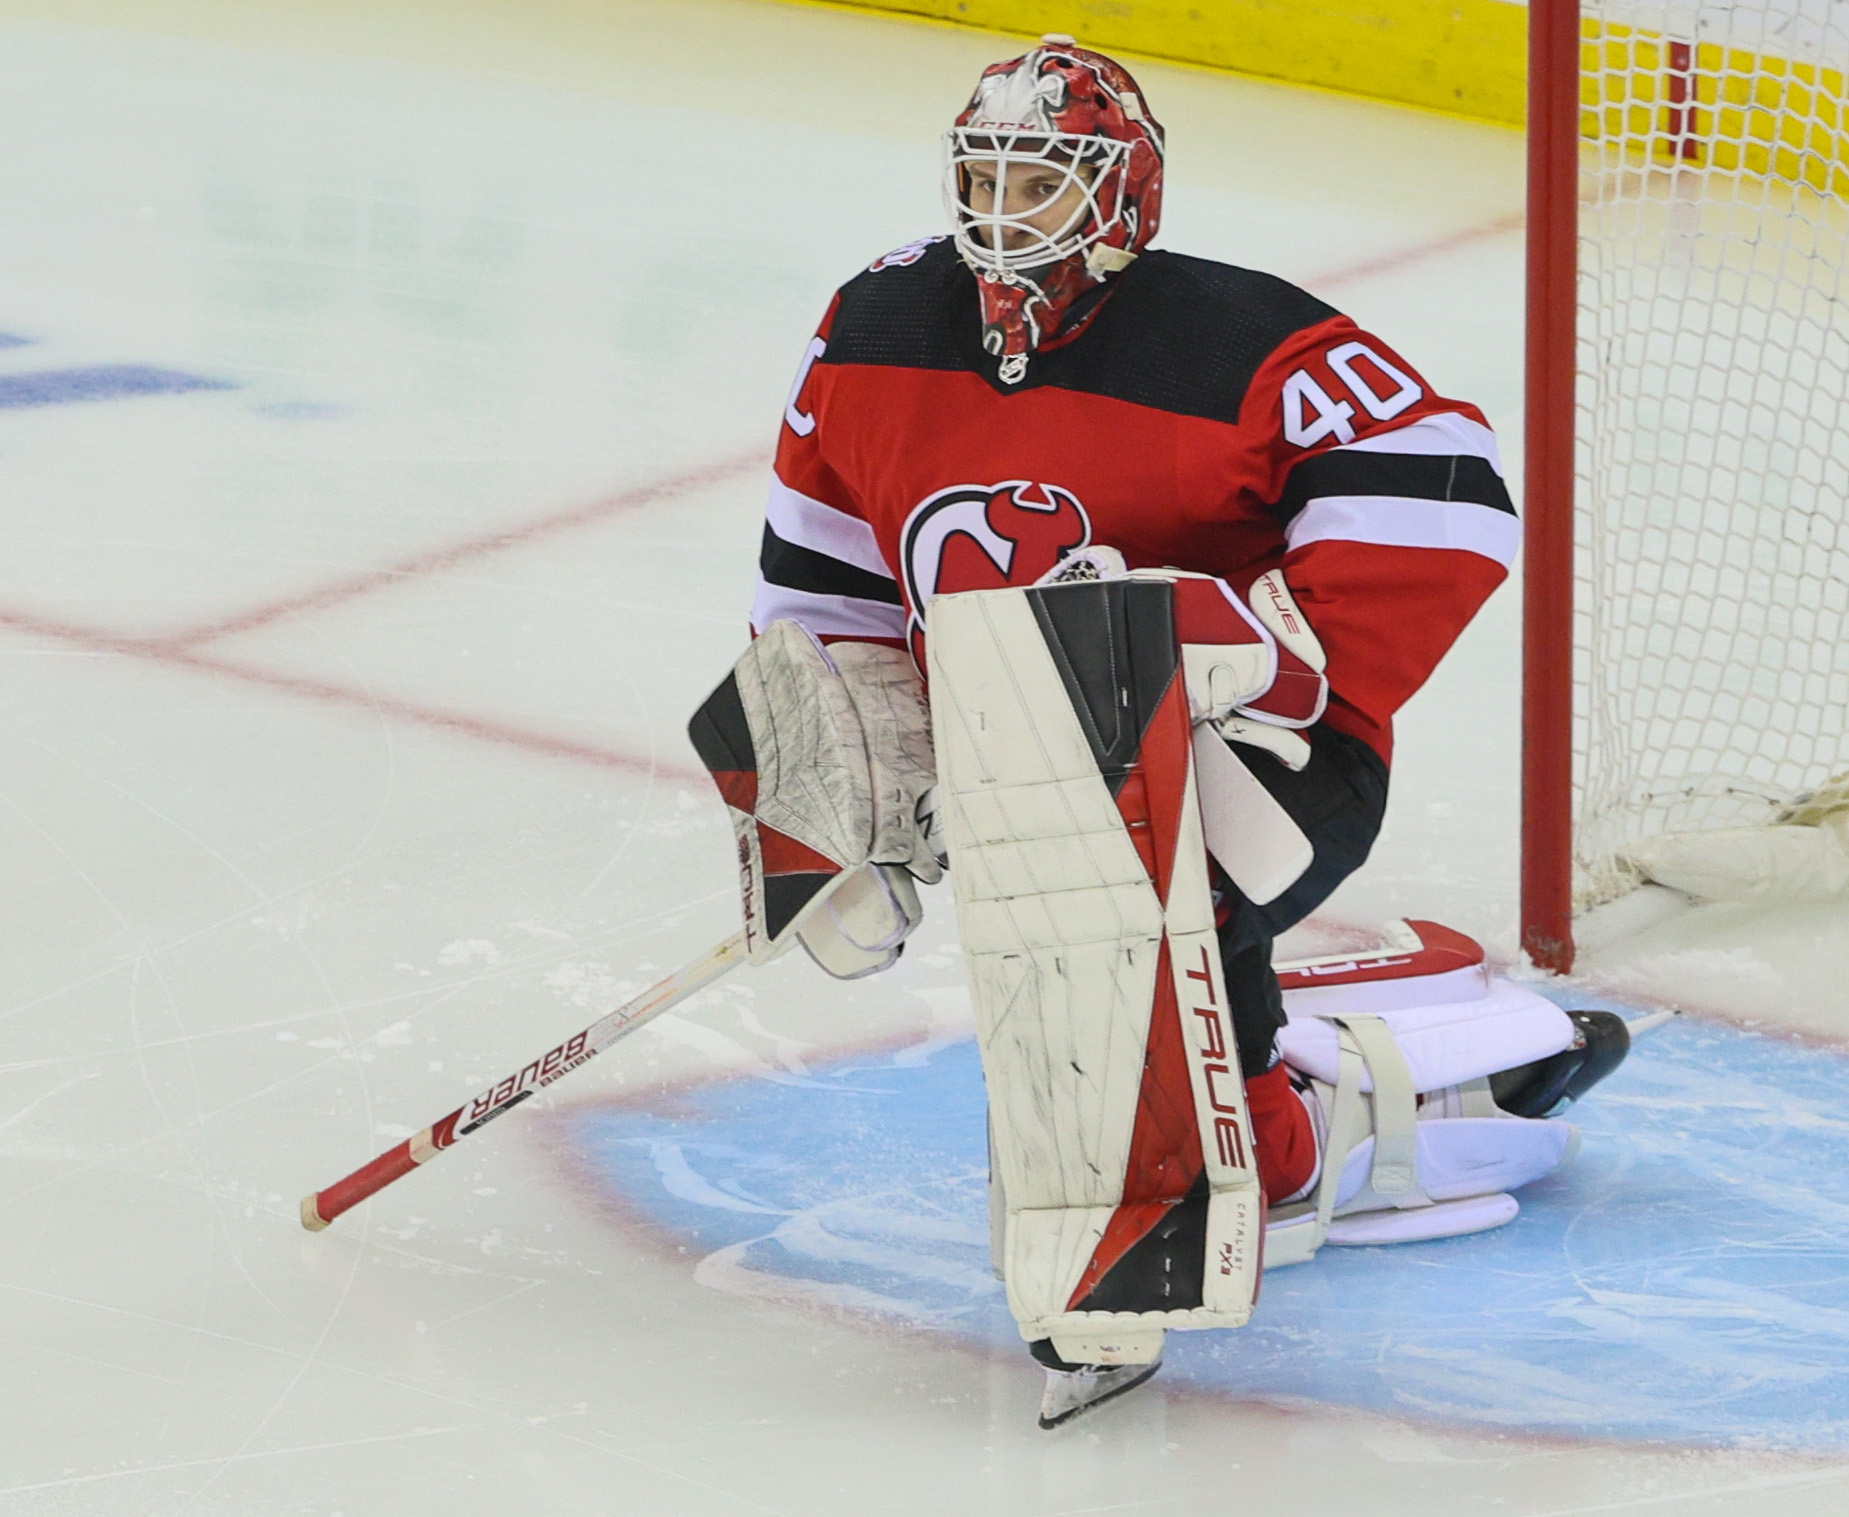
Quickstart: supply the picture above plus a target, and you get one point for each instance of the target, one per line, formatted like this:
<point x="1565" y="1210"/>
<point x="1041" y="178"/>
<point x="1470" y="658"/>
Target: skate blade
<point x="1105" y="1388"/>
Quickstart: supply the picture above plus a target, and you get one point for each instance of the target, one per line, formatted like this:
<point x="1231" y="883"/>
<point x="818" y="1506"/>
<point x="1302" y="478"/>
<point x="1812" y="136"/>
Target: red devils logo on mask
<point x="982" y="537"/>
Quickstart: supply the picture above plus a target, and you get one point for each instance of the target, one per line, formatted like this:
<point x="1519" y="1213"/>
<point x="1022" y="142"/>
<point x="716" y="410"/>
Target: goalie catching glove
<point x="823" y="756"/>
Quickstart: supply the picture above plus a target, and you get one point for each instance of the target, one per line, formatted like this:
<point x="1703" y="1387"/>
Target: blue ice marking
<point x="12" y="340"/>
<point x="1687" y="1278"/>
<point x="300" y="410"/>
<point x="110" y="381"/>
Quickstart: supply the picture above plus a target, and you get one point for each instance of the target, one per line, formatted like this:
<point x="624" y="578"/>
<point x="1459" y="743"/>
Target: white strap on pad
<point x="1393" y="1174"/>
<point x="1287" y="1239"/>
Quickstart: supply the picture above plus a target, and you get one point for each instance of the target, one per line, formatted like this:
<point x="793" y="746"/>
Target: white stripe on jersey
<point x="826" y="615"/>
<point x="807" y="523"/>
<point x="1401" y="521"/>
<point x="1444" y="434"/>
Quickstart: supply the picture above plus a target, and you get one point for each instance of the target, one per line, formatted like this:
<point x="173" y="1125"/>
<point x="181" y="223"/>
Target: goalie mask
<point x="1053" y="179"/>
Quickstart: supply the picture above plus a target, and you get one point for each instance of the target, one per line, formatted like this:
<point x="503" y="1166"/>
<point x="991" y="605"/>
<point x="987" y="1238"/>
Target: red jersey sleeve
<point x="820" y="563"/>
<point x="1396" y="519"/>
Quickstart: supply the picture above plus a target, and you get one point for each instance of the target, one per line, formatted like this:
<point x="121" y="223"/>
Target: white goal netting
<point x="1712" y="569"/>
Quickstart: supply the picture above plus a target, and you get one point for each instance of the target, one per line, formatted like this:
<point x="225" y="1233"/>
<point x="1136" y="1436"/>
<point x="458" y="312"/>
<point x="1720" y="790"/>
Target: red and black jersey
<point x="1208" y="418"/>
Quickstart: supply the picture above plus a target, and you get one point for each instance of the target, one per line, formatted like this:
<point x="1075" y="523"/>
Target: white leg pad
<point x="1442" y="1045"/>
<point x="1398" y="1160"/>
<point x="1448" y="1219"/>
<point x="1464" y="1156"/>
<point x="1118" y="1121"/>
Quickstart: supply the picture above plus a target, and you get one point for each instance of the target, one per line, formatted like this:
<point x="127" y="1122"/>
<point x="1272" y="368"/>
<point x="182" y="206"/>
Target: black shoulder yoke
<point x="918" y="315"/>
<point x="1184" y="335"/>
<point x="1178" y="334"/>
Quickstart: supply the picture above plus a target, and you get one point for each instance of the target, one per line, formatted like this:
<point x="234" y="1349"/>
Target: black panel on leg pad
<point x="1113" y="642"/>
<point x="1164" y="1270"/>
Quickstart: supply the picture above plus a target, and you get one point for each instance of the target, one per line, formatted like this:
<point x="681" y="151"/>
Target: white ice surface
<point x="271" y="899"/>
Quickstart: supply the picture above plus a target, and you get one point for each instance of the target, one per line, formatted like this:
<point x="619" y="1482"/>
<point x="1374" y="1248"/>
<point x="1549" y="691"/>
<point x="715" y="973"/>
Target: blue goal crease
<point x="1685" y="1279"/>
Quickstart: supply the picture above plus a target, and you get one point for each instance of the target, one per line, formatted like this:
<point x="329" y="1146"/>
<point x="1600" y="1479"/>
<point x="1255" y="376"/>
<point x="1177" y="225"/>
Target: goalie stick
<point x="323" y="1206"/>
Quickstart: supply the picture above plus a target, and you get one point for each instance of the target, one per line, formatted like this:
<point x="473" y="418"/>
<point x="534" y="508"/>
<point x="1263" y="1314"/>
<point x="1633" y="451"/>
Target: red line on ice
<point x="483" y="729"/>
<point x="1387" y="263"/>
<point x="434" y="561"/>
<point x="179" y="649"/>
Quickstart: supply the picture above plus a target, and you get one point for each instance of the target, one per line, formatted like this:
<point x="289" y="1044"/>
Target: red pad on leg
<point x="1281" y="1132"/>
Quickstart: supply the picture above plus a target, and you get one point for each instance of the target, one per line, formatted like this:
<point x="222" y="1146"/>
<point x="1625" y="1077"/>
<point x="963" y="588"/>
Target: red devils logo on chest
<point x="982" y="537"/>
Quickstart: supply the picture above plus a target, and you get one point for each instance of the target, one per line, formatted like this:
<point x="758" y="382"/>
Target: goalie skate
<point x="1071" y="1391"/>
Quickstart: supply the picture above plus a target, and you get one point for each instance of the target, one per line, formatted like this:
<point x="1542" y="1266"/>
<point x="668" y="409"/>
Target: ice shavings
<point x="851" y="1256"/>
<point x="1690" y="967"/>
<point x="587" y="983"/>
<point x="682" y="1181"/>
<point x="470" y="951"/>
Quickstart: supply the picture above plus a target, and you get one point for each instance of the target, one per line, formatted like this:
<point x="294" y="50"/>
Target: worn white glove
<point x="821" y="755"/>
<point x="895" y="719"/>
<point x="1255" y="672"/>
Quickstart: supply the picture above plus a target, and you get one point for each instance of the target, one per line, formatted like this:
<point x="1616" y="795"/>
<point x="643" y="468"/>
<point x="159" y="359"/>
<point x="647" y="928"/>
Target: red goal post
<point x="1686" y="569"/>
<point x="1548" y="483"/>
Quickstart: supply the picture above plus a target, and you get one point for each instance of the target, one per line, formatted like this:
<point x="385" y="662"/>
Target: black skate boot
<point x="1074" y="1388"/>
<point x="1600" y="1042"/>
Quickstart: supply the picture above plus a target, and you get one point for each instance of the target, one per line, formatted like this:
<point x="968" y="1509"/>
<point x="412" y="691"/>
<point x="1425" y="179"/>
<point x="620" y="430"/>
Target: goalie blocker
<point x="1122" y="983"/>
<point x="823" y="757"/>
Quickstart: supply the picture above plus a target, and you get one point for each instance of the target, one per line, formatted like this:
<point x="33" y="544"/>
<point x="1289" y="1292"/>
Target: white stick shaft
<point x="323" y="1206"/>
<point x="688" y="980"/>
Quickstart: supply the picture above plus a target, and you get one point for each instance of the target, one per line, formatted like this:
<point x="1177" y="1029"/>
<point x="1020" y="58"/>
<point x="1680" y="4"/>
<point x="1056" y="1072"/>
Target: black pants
<point x="1338" y="799"/>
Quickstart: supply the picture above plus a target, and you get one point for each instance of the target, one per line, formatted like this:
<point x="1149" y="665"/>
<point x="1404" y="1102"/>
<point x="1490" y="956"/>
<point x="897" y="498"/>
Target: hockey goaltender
<point x="1169" y="542"/>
